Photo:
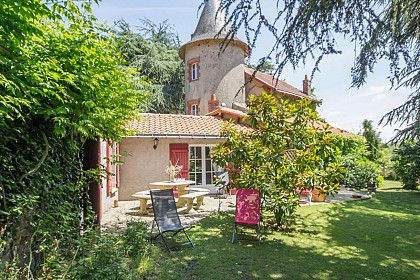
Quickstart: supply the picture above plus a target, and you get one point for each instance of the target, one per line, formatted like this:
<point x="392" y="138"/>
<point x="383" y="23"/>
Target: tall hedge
<point x="61" y="83"/>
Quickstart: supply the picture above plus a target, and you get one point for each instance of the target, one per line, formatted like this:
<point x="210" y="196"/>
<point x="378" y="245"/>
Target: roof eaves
<point x="196" y="136"/>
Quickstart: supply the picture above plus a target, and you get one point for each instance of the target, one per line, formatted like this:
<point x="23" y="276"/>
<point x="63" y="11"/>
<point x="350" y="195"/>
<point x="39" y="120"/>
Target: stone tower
<point x="212" y="78"/>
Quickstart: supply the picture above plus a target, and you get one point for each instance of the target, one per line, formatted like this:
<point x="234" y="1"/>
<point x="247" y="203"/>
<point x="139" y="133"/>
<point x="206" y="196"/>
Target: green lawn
<point x="372" y="239"/>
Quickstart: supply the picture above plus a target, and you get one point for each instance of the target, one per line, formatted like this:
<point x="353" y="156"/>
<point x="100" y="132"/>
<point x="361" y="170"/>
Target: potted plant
<point x="318" y="195"/>
<point x="173" y="171"/>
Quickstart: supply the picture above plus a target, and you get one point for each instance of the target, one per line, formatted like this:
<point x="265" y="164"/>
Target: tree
<point x="288" y="147"/>
<point x="265" y="67"/>
<point x="308" y="29"/>
<point x="407" y="164"/>
<point x="373" y="141"/>
<point x="154" y="53"/>
<point x="61" y="83"/>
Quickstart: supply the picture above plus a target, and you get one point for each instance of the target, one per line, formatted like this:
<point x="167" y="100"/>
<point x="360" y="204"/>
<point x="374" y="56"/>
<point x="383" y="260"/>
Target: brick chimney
<point x="213" y="102"/>
<point x="307" y="86"/>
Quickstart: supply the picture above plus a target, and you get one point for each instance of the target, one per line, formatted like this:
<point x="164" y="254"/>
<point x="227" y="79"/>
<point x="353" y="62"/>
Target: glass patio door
<point x="202" y="169"/>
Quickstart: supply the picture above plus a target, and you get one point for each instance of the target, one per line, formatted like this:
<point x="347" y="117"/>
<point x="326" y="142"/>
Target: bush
<point x="360" y="172"/>
<point x="407" y="164"/>
<point x="115" y="255"/>
<point x="387" y="169"/>
<point x="280" y="152"/>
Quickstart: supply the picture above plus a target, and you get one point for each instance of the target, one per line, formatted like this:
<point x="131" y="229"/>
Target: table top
<point x="169" y="183"/>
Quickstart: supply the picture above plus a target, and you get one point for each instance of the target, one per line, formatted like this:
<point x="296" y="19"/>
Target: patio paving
<point x="128" y="210"/>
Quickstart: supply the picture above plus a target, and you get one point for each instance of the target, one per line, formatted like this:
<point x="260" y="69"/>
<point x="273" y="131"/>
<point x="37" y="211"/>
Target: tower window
<point x="194" y="110"/>
<point x="194" y="71"/>
<point x="193" y="107"/>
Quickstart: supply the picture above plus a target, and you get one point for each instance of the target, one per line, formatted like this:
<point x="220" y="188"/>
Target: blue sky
<point x="342" y="107"/>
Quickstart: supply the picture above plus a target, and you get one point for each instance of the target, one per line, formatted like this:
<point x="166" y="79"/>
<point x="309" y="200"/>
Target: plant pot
<point x="317" y="196"/>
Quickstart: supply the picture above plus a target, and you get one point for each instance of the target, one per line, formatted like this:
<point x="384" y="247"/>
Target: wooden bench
<point x="189" y="197"/>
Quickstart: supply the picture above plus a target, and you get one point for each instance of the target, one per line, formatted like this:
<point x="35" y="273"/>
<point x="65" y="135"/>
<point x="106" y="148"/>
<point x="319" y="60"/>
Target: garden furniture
<point x="166" y="217"/>
<point x="247" y="211"/>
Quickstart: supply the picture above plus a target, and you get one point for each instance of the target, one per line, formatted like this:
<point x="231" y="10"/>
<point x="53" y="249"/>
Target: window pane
<point x="194" y="71"/>
<point x="208" y="152"/>
<point x="199" y="179"/>
<point x="208" y="165"/>
<point x="209" y="178"/>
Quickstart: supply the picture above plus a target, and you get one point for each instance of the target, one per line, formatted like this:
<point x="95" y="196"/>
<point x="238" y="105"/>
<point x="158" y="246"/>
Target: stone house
<point x="216" y="87"/>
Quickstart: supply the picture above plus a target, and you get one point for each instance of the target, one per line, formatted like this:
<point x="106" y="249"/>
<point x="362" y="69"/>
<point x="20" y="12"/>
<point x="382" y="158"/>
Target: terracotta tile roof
<point x="186" y="126"/>
<point x="179" y="126"/>
<point x="340" y="131"/>
<point x="278" y="85"/>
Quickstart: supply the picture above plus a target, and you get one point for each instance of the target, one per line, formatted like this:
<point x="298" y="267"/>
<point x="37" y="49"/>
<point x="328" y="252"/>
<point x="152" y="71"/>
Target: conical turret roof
<point x="211" y="22"/>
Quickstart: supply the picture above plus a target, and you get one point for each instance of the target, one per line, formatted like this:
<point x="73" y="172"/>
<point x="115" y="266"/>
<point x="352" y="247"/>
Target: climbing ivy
<point x="61" y="83"/>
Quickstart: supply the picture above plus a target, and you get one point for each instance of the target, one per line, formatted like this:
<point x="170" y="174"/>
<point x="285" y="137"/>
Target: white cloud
<point x="375" y="91"/>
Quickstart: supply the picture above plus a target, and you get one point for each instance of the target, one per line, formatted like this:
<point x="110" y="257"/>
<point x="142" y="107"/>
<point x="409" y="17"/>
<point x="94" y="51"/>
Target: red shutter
<point x="108" y="169"/>
<point x="178" y="154"/>
<point x="117" y="167"/>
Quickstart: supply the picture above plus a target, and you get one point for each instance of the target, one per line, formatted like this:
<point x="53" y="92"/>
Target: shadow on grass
<point x="374" y="239"/>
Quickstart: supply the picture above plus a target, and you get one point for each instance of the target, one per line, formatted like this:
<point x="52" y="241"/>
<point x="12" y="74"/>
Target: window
<point x="202" y="169"/>
<point x="194" y="71"/>
<point x="193" y="107"/>
<point x="194" y="110"/>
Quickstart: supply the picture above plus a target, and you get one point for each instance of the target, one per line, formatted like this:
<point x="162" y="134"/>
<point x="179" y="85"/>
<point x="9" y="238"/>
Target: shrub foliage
<point x="61" y="83"/>
<point x="288" y="147"/>
<point x="407" y="164"/>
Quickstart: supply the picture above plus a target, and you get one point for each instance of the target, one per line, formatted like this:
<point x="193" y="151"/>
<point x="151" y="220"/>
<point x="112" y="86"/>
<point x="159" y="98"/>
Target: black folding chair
<point x="166" y="217"/>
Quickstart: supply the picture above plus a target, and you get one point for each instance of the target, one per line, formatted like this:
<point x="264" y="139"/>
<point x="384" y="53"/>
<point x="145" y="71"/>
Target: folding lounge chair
<point x="166" y="217"/>
<point x="247" y="212"/>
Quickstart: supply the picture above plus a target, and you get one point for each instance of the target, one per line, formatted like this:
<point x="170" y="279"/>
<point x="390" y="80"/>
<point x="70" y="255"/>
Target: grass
<point x="371" y="239"/>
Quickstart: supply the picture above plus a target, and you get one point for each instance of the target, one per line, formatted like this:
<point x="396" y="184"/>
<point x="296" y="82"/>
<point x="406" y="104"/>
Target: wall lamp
<point x="155" y="143"/>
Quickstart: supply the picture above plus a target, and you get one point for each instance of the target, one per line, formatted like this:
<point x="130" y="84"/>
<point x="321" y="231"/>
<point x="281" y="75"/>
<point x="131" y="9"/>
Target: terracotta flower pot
<point x="317" y="196"/>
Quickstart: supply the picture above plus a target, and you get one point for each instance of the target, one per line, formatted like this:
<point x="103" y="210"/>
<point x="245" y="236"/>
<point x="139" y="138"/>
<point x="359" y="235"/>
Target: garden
<point x="65" y="81"/>
<point x="365" y="239"/>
